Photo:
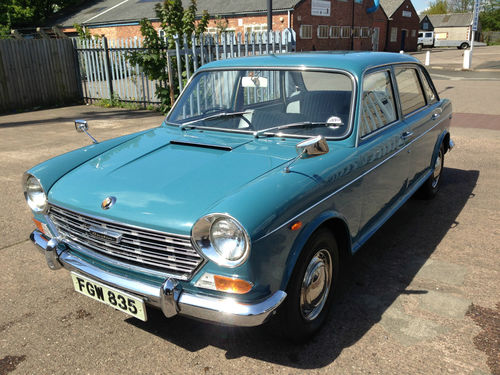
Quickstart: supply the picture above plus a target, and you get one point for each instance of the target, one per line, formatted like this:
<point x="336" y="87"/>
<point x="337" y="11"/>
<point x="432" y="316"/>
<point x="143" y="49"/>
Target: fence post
<point x="77" y="66"/>
<point x="108" y="68"/>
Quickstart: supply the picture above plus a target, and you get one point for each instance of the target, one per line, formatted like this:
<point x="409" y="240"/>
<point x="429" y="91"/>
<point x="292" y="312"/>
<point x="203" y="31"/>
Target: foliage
<point x="437" y="7"/>
<point x="29" y="13"/>
<point x="460" y="6"/>
<point x="174" y="20"/>
<point x="84" y="33"/>
<point x="115" y="102"/>
<point x="221" y="24"/>
<point x="490" y="17"/>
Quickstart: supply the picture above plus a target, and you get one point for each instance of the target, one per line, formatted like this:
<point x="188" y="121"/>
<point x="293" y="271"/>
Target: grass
<point x="117" y="103"/>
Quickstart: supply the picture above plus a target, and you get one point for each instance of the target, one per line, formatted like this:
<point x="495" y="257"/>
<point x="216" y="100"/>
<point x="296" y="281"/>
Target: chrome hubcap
<point x="437" y="169"/>
<point x="316" y="285"/>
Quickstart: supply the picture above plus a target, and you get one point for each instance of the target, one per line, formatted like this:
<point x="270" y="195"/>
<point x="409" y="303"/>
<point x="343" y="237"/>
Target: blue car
<point x="268" y="173"/>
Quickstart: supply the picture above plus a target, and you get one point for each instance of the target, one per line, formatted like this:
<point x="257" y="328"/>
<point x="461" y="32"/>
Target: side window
<point x="410" y="91"/>
<point x="377" y="106"/>
<point x="430" y="93"/>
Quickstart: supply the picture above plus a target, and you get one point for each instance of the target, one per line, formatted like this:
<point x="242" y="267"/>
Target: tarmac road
<point x="420" y="297"/>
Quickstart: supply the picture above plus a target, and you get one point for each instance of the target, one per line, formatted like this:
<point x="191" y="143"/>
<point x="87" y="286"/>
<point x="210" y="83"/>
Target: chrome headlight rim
<point x="201" y="235"/>
<point x="38" y="210"/>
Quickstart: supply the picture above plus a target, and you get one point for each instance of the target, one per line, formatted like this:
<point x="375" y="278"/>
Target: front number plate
<point x="119" y="300"/>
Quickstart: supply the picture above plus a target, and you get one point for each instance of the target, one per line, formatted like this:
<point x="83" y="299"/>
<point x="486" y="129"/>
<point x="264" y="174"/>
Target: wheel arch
<point x="336" y="224"/>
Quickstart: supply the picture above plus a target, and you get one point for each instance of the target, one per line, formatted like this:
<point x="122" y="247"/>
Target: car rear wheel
<point x="311" y="287"/>
<point x="430" y="188"/>
<point x="464" y="46"/>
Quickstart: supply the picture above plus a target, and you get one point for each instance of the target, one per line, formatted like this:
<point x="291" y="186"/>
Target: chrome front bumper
<point x="170" y="297"/>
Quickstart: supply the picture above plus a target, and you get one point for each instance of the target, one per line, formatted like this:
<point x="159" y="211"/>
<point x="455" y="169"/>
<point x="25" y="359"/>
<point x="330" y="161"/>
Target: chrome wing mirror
<point x="81" y="126"/>
<point x="309" y="148"/>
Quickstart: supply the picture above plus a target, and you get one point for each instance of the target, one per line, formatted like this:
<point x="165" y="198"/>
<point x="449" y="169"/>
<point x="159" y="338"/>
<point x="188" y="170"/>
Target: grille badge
<point x="108" y="202"/>
<point x="104" y="234"/>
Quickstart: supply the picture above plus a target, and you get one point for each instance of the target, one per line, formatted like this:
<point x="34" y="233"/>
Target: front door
<point x="403" y="39"/>
<point x="382" y="155"/>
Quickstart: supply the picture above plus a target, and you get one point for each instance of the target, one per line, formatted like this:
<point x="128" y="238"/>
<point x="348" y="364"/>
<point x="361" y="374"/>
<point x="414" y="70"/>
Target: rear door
<point x="421" y="112"/>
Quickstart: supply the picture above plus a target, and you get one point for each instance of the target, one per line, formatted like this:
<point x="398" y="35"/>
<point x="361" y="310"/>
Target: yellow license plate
<point x="110" y="296"/>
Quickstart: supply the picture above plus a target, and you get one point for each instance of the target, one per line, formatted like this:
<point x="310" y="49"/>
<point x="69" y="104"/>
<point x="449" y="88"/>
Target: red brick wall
<point x="380" y="21"/>
<point x="280" y="22"/>
<point x="340" y="15"/>
<point x="407" y="23"/>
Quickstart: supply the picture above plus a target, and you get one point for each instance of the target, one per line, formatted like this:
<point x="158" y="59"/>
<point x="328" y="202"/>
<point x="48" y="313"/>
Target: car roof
<point x="355" y="62"/>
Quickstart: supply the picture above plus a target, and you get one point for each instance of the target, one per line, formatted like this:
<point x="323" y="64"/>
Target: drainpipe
<point x="289" y="18"/>
<point x="352" y="28"/>
<point x="269" y="15"/>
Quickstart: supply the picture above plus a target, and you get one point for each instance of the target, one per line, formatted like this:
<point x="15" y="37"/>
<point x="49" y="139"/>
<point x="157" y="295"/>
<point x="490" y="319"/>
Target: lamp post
<point x="269" y="15"/>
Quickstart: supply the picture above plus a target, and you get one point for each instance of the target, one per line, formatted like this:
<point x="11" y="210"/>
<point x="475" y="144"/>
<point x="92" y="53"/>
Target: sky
<point x="420" y="5"/>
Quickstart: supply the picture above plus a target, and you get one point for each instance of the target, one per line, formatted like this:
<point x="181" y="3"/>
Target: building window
<point x="413" y="33"/>
<point x="345" y="31"/>
<point x="322" y="31"/>
<point x="255" y="28"/>
<point x="356" y="32"/>
<point x="394" y="34"/>
<point x="365" y="32"/>
<point x="425" y="26"/>
<point x="335" y="32"/>
<point x="216" y="30"/>
<point x="406" y="13"/>
<point x="358" y="1"/>
<point x="306" y="31"/>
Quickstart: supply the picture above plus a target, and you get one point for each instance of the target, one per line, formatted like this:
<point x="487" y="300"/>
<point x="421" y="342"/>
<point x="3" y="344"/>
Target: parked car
<point x="268" y="173"/>
<point x="428" y="39"/>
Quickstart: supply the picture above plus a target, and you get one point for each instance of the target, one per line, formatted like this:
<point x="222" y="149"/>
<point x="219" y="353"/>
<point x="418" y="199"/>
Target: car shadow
<point x="380" y="272"/>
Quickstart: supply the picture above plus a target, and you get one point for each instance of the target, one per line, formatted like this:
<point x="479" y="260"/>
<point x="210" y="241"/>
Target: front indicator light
<point x="224" y="284"/>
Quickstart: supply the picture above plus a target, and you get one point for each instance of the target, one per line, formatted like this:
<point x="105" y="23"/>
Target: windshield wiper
<point x="303" y="124"/>
<point x="188" y="125"/>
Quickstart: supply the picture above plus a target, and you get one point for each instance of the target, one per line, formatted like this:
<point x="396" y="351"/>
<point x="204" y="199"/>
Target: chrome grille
<point x="159" y="251"/>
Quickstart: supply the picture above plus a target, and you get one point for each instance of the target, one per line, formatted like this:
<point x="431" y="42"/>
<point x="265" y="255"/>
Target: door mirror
<point x="312" y="147"/>
<point x="81" y="126"/>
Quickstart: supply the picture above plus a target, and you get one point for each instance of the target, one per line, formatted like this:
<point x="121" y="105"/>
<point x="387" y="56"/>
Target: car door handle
<point x="435" y="116"/>
<point x="406" y="135"/>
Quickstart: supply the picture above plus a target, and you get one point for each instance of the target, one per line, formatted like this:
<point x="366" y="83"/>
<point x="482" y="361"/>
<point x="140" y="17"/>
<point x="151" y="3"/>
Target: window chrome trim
<point x="349" y="183"/>
<point x="353" y="78"/>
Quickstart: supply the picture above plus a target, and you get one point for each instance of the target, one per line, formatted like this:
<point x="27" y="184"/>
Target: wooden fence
<point x="106" y="72"/>
<point x="37" y="72"/>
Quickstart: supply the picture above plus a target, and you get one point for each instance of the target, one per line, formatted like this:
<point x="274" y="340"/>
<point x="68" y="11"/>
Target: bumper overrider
<point x="170" y="297"/>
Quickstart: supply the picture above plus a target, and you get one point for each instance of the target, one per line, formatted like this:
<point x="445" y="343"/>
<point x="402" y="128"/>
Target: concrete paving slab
<point x="445" y="305"/>
<point x="443" y="272"/>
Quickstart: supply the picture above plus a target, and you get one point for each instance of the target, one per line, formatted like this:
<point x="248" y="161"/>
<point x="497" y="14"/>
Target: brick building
<point x="403" y="25"/>
<point x="317" y="24"/>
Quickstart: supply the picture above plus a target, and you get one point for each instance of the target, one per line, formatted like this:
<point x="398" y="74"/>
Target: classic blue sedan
<point x="268" y="173"/>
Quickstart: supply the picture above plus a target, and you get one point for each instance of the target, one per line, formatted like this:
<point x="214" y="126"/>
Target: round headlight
<point x="222" y="239"/>
<point x="228" y="239"/>
<point x="34" y="194"/>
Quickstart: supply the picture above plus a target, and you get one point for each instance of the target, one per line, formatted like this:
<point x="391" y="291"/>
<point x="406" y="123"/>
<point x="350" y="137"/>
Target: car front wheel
<point x="311" y="287"/>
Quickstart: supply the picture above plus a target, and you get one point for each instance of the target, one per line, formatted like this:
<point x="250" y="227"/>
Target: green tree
<point x="29" y="13"/>
<point x="174" y="20"/>
<point x="437" y="7"/>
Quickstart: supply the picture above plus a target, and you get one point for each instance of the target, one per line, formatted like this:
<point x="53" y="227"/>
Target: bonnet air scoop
<point x="202" y="145"/>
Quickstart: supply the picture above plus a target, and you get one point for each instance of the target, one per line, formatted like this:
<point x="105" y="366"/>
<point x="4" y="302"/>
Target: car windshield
<point x="267" y="102"/>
